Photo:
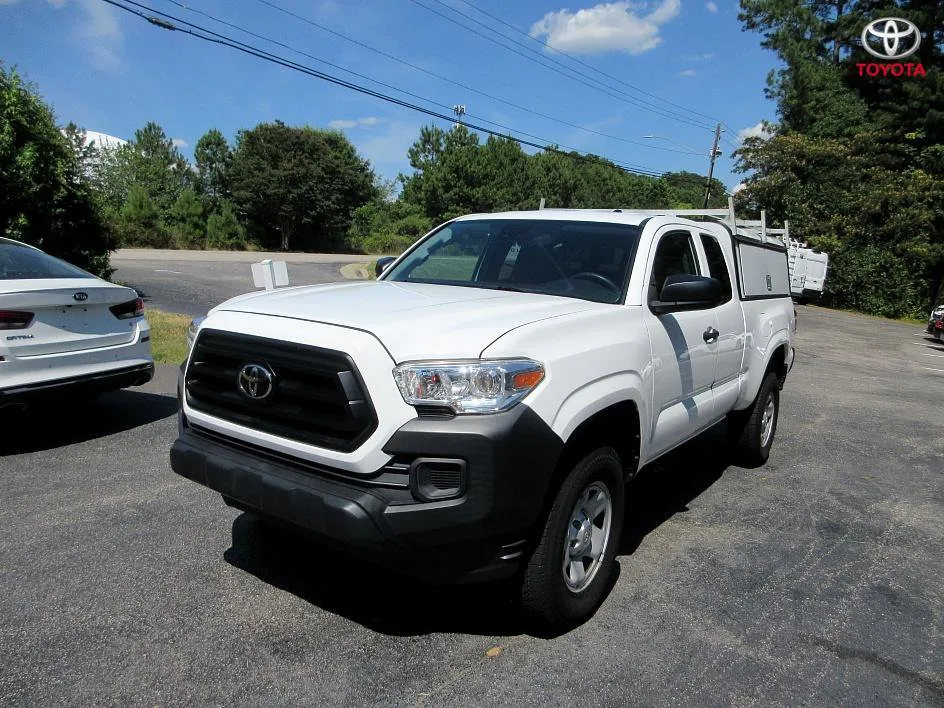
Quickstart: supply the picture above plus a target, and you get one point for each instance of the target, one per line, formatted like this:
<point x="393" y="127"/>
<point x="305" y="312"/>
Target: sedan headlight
<point x="192" y="331"/>
<point x="468" y="387"/>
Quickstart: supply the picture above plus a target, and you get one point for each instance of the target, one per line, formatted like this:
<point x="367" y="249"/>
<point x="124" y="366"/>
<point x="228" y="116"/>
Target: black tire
<point x="546" y="597"/>
<point x="746" y="429"/>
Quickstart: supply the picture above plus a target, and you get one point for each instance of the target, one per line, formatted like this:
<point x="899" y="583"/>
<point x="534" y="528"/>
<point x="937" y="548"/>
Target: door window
<point x="675" y="255"/>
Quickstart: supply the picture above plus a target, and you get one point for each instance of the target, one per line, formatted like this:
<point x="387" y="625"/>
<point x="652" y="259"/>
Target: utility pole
<point x="459" y="111"/>
<point x="711" y="165"/>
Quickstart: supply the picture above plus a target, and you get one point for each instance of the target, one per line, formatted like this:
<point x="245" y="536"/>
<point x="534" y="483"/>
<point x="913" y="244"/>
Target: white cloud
<point x="687" y="72"/>
<point x="606" y="27"/>
<point x="100" y="32"/>
<point x="180" y="143"/>
<point x="755" y="131"/>
<point x="97" y="30"/>
<point x="707" y="56"/>
<point x="344" y="124"/>
<point x="711" y="7"/>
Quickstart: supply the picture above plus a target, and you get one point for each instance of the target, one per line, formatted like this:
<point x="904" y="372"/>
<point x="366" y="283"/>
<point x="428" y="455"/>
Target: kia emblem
<point x="80" y="297"/>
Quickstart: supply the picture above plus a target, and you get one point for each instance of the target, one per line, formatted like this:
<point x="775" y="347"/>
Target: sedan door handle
<point x="710" y="335"/>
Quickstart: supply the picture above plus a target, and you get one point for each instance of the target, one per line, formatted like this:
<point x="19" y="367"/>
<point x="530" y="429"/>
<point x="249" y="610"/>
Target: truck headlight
<point x="192" y="331"/>
<point x="480" y="386"/>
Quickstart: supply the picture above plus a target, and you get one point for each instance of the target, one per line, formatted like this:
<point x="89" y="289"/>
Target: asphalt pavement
<point x="192" y="282"/>
<point x="815" y="580"/>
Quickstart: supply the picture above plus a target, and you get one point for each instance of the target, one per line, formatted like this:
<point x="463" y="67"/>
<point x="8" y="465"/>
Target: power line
<point x="207" y="35"/>
<point x="435" y="75"/>
<point x="340" y="68"/>
<point x="581" y="62"/>
<point x="389" y="86"/>
<point x="560" y="69"/>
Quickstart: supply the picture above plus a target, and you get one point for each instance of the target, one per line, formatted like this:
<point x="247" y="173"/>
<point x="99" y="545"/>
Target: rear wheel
<point x="751" y="432"/>
<point x="569" y="571"/>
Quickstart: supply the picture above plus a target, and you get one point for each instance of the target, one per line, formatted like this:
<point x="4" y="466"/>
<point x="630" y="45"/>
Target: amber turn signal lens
<point x="527" y="379"/>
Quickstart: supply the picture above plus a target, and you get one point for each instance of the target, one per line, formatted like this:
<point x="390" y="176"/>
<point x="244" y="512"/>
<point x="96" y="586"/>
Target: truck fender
<point x="759" y="360"/>
<point x="597" y="395"/>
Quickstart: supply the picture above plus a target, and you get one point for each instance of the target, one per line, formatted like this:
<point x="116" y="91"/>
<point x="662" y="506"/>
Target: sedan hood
<point x="413" y="320"/>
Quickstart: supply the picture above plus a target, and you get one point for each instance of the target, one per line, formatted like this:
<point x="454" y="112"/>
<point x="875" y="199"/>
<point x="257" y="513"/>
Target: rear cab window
<point x="717" y="266"/>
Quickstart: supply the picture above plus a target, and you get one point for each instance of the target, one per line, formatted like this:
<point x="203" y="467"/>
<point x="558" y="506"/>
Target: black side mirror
<point x="382" y="264"/>
<point x="687" y="292"/>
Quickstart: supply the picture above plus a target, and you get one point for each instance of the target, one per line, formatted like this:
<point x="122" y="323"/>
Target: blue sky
<point x="110" y="71"/>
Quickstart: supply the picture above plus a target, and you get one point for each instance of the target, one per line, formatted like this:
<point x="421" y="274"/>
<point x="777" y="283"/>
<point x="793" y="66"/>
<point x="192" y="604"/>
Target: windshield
<point x="579" y="259"/>
<point x="19" y="262"/>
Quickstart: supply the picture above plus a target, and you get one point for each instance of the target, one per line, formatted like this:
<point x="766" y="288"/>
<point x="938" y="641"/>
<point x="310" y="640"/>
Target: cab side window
<point x="717" y="268"/>
<point x="675" y="255"/>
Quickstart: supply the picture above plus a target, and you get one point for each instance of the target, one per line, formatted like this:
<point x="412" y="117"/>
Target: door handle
<point x="710" y="335"/>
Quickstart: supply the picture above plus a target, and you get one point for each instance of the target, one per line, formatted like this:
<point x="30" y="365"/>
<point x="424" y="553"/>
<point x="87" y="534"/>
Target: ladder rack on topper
<point x="756" y="229"/>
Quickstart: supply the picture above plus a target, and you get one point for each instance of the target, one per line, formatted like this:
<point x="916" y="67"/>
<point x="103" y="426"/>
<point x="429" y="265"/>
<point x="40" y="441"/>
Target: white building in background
<point x="103" y="140"/>
<point x="100" y="141"/>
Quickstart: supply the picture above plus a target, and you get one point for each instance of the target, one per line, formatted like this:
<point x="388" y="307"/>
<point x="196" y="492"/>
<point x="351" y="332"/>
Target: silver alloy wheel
<point x="767" y="422"/>
<point x="587" y="536"/>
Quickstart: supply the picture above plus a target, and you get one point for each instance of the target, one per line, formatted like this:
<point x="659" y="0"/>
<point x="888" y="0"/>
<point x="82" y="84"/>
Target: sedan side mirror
<point x="687" y="292"/>
<point x="382" y="264"/>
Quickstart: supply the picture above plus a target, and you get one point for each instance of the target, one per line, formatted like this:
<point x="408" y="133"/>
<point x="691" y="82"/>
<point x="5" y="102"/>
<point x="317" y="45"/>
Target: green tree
<point x="45" y="199"/>
<point x="138" y="222"/>
<point x="385" y="227"/>
<point x="188" y="221"/>
<point x="819" y="91"/>
<point x="687" y="190"/>
<point x="150" y="162"/>
<point x="223" y="228"/>
<point x="882" y="226"/>
<point x="448" y="173"/>
<point x="298" y="187"/>
<point x="456" y="174"/>
<point x="857" y="162"/>
<point x="212" y="155"/>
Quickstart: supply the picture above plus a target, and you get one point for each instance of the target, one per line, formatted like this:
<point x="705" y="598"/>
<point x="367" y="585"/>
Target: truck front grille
<point x="295" y="391"/>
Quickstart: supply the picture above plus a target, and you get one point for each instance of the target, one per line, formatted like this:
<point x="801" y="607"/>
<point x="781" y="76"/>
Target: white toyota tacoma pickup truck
<point x="475" y="412"/>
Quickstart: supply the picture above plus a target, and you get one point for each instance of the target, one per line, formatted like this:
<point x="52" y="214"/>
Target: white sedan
<point x="65" y="332"/>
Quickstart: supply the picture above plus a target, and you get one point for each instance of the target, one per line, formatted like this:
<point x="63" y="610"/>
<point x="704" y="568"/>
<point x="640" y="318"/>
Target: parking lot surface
<point x="817" y="579"/>
<point x="192" y="282"/>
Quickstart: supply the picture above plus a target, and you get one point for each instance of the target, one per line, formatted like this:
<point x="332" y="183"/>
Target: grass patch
<point x="358" y="271"/>
<point x="168" y="336"/>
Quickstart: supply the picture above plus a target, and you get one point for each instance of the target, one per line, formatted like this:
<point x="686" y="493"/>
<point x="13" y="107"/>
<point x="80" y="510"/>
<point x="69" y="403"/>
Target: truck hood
<point x="412" y="320"/>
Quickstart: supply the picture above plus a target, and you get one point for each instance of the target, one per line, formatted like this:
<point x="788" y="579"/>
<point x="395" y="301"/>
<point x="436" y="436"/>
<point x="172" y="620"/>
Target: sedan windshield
<point x="20" y="262"/>
<point x="579" y="259"/>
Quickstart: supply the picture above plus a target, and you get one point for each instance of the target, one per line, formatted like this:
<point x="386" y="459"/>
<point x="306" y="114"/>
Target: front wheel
<point x="570" y="569"/>
<point x="751" y="432"/>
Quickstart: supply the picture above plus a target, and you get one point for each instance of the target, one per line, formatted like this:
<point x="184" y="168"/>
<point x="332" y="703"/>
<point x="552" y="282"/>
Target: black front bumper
<point x="100" y="382"/>
<point x="509" y="460"/>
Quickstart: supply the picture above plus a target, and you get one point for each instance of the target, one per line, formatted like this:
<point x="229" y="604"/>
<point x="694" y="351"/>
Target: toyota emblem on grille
<point x="80" y="297"/>
<point x="255" y="381"/>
